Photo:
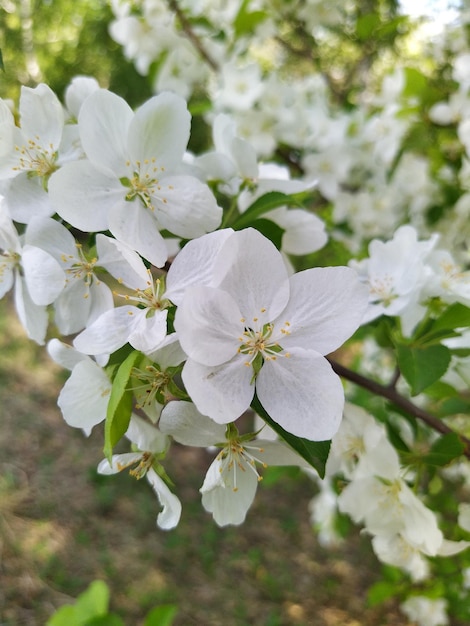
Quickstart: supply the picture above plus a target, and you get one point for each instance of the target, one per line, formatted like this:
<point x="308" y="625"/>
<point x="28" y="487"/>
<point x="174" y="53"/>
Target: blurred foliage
<point x="52" y="41"/>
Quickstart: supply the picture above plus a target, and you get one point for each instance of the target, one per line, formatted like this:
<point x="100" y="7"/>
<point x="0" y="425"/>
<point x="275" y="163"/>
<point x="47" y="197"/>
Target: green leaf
<point x="381" y="591"/>
<point x="456" y="316"/>
<point x="246" y="21"/>
<point x="265" y="203"/>
<point x="161" y="615"/>
<point x="120" y="405"/>
<point x="2" y="66"/>
<point x="314" y="452"/>
<point x="422" y="366"/>
<point x="111" y="619"/>
<point x="366" y="25"/>
<point x="92" y="603"/>
<point x="415" y="82"/>
<point x="444" y="450"/>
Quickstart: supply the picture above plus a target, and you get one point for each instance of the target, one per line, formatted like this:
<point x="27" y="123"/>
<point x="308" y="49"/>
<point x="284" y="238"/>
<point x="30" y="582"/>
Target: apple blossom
<point x="151" y="445"/>
<point x="133" y="187"/>
<point x="231" y="481"/>
<point x="256" y="329"/>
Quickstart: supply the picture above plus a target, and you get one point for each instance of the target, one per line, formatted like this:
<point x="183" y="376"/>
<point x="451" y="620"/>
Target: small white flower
<point x="152" y="445"/>
<point x="231" y="481"/>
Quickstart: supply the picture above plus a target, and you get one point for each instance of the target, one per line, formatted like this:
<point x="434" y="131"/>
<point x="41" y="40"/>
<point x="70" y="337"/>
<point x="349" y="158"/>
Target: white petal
<point x="217" y="166"/>
<point x="149" y="332"/>
<point x="44" y="277"/>
<point x="109" y="332"/>
<point x="170" y="352"/>
<point x="82" y="195"/>
<point x="304" y="232"/>
<point x="325" y="308"/>
<point x="209" y="325"/>
<point x="119" y="462"/>
<point x="26" y="199"/>
<point x="64" y="355"/>
<point x="84" y="397"/>
<point x="229" y="504"/>
<point x="449" y="548"/>
<point x="186" y="207"/>
<point x="42" y="116"/>
<point x="302" y="394"/>
<point x="169" y="517"/>
<point x="79" y="89"/>
<point x="133" y="224"/>
<point x="122" y="262"/>
<point x="33" y="317"/>
<point x="160" y="131"/>
<point x="51" y="236"/>
<point x="186" y="425"/>
<point x="195" y="264"/>
<point x="101" y="300"/>
<point x="72" y="308"/>
<point x="146" y="437"/>
<point x="252" y="271"/>
<point x="104" y="120"/>
<point x="222" y="392"/>
<point x="274" y="453"/>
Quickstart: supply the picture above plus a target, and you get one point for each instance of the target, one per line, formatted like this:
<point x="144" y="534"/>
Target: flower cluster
<point x="209" y="298"/>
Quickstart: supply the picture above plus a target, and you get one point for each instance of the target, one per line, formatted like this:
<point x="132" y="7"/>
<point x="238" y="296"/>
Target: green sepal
<point x="120" y="403"/>
<point x="314" y="452"/>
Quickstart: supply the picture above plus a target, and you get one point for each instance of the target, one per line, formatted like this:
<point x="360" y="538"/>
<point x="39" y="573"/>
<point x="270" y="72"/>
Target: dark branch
<point x="191" y="35"/>
<point x="390" y="393"/>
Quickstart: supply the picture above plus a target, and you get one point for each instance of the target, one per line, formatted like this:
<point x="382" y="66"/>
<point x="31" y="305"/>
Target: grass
<point x="62" y="526"/>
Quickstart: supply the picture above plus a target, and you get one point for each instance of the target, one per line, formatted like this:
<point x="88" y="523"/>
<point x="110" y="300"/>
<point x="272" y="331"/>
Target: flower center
<point x="142" y="465"/>
<point x="80" y="267"/>
<point x="150" y="298"/>
<point x="145" y="184"/>
<point x="381" y="290"/>
<point x="238" y="456"/>
<point x="154" y="387"/>
<point x="259" y="345"/>
<point x="35" y="159"/>
<point x="8" y="261"/>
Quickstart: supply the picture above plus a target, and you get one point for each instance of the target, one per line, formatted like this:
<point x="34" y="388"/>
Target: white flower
<point x="79" y="296"/>
<point x="142" y="323"/>
<point x="84" y="398"/>
<point x="361" y="447"/>
<point x="426" y="611"/>
<point x="231" y="481"/>
<point x="257" y="328"/>
<point x="395" y="273"/>
<point x="152" y="444"/>
<point x="30" y="154"/>
<point x="19" y="267"/>
<point x="130" y="183"/>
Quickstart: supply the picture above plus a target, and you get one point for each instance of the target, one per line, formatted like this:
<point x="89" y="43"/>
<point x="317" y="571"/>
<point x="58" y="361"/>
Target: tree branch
<point x="191" y="35"/>
<point x="390" y="393"/>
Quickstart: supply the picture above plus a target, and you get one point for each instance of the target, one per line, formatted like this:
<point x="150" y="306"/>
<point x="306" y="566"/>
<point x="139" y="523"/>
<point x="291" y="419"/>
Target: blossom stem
<point x="390" y="393"/>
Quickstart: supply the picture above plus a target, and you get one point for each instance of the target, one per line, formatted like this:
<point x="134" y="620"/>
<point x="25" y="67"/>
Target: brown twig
<point x="191" y="35"/>
<point x="391" y="394"/>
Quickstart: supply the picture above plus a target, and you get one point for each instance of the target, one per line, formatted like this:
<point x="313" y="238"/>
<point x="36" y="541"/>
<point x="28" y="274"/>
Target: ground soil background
<point x="62" y="526"/>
